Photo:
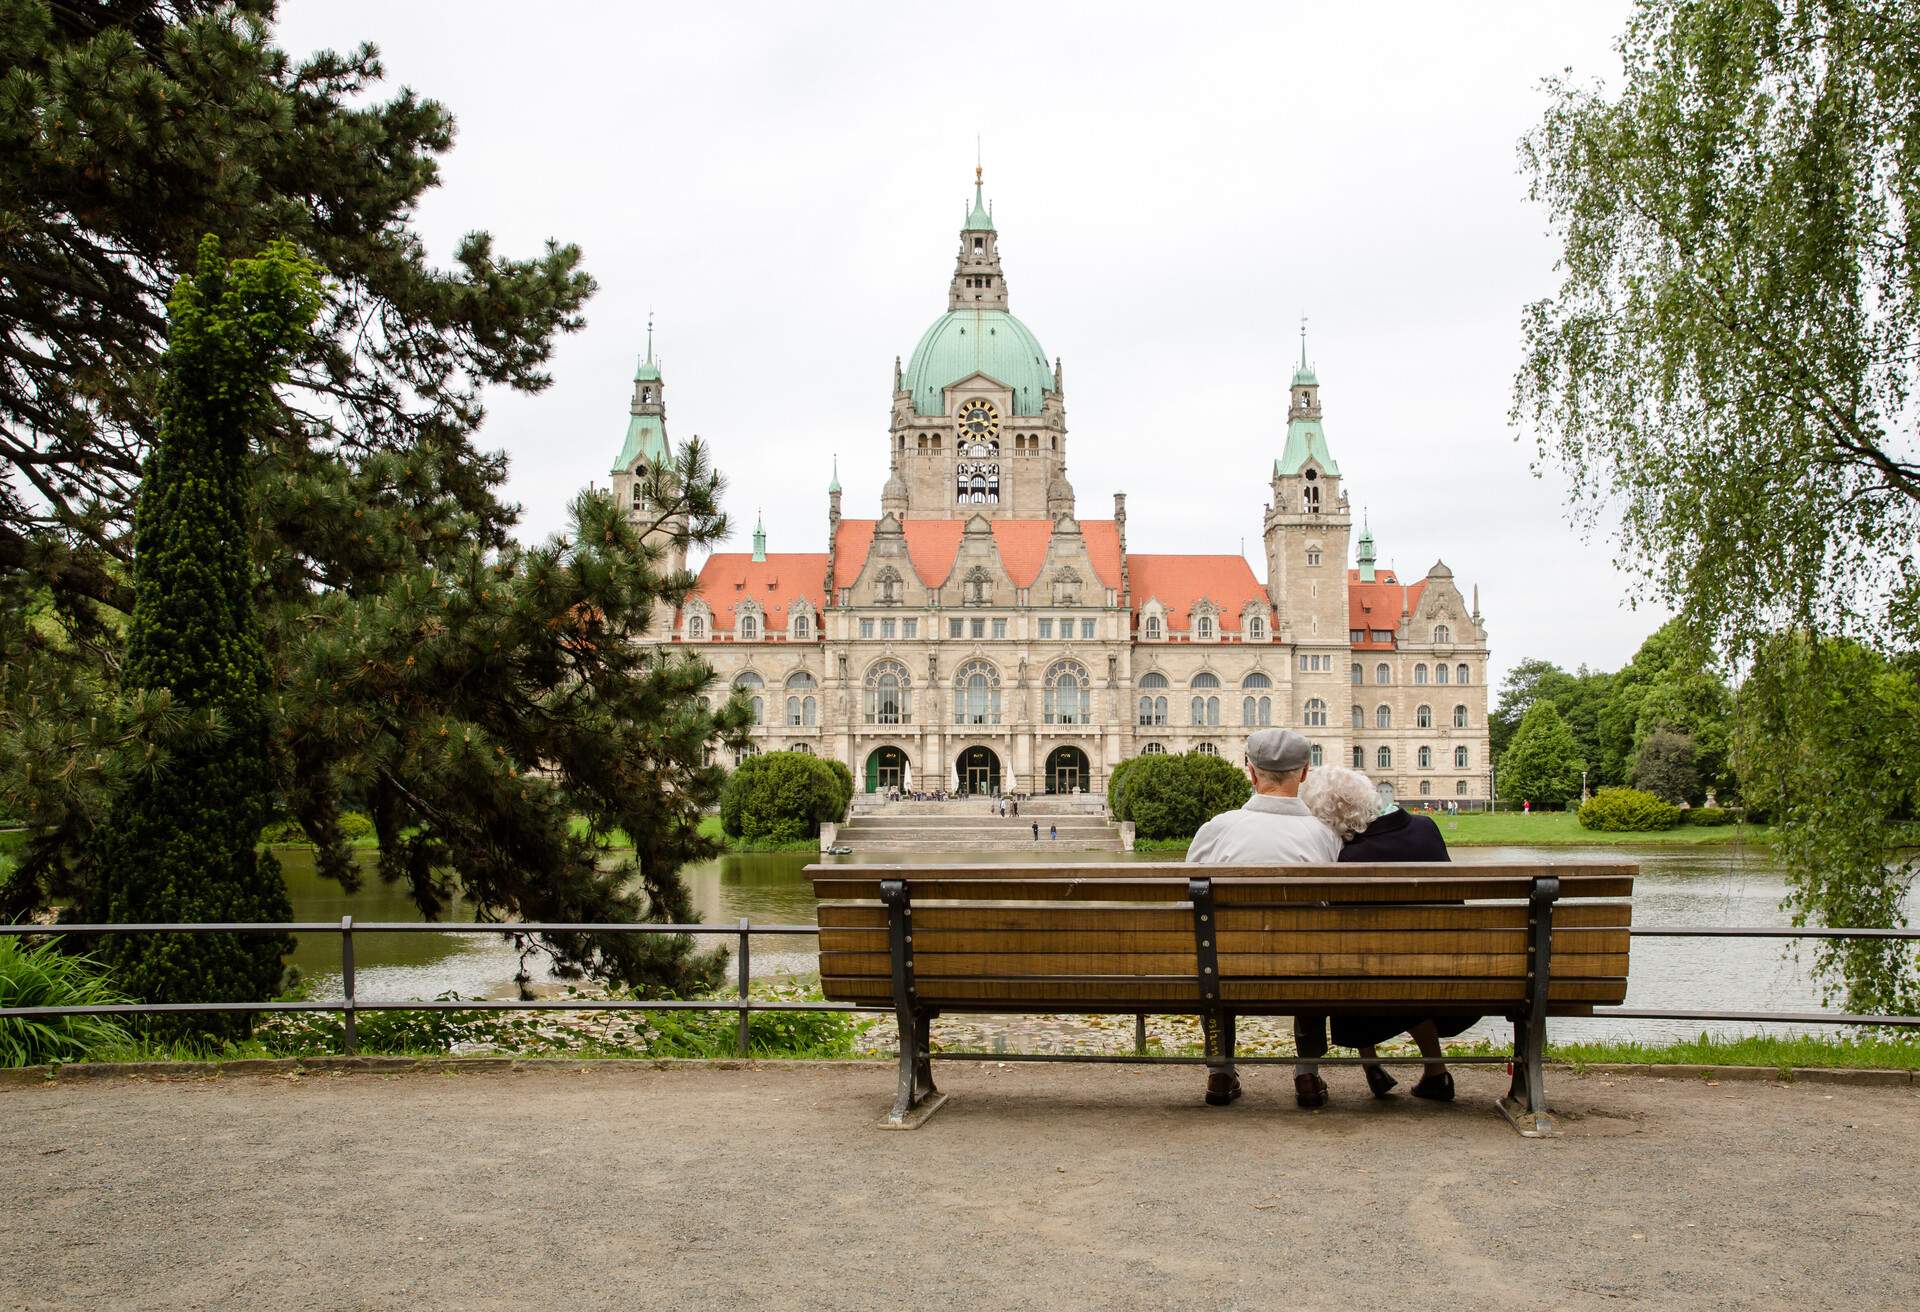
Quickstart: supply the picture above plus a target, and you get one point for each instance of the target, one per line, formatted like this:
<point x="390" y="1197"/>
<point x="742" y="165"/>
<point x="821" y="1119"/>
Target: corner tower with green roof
<point x="979" y="423"/>
<point x="646" y="448"/>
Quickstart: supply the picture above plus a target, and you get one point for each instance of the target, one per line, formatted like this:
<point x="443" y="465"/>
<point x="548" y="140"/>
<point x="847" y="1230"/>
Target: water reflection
<point x="1733" y="884"/>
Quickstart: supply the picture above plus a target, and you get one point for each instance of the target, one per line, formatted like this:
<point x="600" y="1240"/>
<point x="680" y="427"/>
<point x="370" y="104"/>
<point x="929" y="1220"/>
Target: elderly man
<point x="1274" y="828"/>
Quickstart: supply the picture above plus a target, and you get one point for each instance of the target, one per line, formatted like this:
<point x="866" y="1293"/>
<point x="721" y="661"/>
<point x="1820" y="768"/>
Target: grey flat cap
<point x="1278" y="751"/>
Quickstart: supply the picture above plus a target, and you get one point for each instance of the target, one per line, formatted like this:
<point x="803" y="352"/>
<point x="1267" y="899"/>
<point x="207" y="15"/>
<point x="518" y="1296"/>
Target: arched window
<point x="1383" y="716"/>
<point x="1460" y="761"/>
<point x="1382" y="673"/>
<point x="1256" y="680"/>
<point x="1153" y="679"/>
<point x="1067" y="694"/>
<point x="1425" y="758"/>
<point x="1420" y="672"/>
<point x="802" y="628"/>
<point x="1316" y="712"/>
<point x="887" y="693"/>
<point x="1460" y="674"/>
<point x="1154" y="749"/>
<point x="697" y="628"/>
<point x="1359" y="675"/>
<point x="1359" y="716"/>
<point x="802" y="680"/>
<point x="1204" y="679"/>
<point x="1383" y="759"/>
<point x="1256" y="629"/>
<point x="1426" y="787"/>
<point x="749" y="627"/>
<point x="976" y="694"/>
<point x="1460" y="788"/>
<point x="1459" y="717"/>
<point x="1203" y="628"/>
<point x="1310" y="500"/>
<point x="1359" y="758"/>
<point x="1423" y="717"/>
<point x="1152" y="628"/>
<point x="793" y="710"/>
<point x="1313" y="754"/>
<point x="1206" y="710"/>
<point x="1440" y="673"/>
<point x="752" y="685"/>
<point x="1207" y="749"/>
<point x="1256" y="710"/>
<point x="1153" y="710"/>
<point x="805" y="749"/>
<point x="1441" y="633"/>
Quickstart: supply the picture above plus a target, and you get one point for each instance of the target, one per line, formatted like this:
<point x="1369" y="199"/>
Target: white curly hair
<point x="1344" y="800"/>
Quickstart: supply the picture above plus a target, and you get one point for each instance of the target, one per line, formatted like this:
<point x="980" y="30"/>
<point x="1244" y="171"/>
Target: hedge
<point x="783" y="796"/>
<point x="1172" y="796"/>
<point x="1628" y="810"/>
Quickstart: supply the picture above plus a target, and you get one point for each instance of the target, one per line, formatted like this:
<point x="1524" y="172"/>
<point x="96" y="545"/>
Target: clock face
<point x="978" y="422"/>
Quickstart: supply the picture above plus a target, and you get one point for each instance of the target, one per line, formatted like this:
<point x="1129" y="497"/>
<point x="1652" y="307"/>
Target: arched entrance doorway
<point x="979" y="770"/>
<point x="886" y="768"/>
<point x="1067" y="771"/>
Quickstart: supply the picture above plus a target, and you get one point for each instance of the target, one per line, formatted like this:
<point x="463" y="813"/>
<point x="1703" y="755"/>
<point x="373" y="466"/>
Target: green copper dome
<point x="962" y="343"/>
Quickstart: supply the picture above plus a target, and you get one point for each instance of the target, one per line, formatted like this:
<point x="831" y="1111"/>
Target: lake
<point x="1707" y="886"/>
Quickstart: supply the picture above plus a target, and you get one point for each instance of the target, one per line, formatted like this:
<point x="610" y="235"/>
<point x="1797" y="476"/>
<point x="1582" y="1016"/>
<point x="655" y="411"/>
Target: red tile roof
<point x="1176" y="582"/>
<point x="932" y="545"/>
<point x="730" y="577"/>
<point x="1379" y="605"/>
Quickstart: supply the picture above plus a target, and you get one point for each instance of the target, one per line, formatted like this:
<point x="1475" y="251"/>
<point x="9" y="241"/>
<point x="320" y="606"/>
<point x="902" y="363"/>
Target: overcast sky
<point x="1174" y="185"/>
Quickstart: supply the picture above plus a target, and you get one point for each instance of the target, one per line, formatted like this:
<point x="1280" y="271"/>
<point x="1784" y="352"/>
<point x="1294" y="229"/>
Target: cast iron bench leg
<point x="1526" y="1102"/>
<point x="916" y="1092"/>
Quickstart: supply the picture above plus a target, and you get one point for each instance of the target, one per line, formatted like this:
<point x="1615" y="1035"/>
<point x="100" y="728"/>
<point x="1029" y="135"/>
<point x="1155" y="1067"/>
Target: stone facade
<point x="979" y="634"/>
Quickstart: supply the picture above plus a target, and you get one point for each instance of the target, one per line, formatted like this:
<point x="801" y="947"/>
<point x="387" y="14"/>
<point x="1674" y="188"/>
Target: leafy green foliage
<point x="1669" y="684"/>
<point x="1542" y="764"/>
<point x="181" y="843"/>
<point x="470" y="693"/>
<point x="1172" y="796"/>
<point x="1580" y="698"/>
<point x="1628" y="810"/>
<point x="1729" y="361"/>
<point x="1710" y="817"/>
<point x="41" y="975"/>
<point x="1829" y="747"/>
<point x="783" y="796"/>
<point x="1664" y="767"/>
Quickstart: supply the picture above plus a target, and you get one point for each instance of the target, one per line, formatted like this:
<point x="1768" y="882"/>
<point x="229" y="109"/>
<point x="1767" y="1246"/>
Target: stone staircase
<point x="964" y="826"/>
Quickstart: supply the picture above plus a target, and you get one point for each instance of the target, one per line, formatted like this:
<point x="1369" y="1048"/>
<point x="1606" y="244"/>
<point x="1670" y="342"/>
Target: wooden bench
<point x="1520" y="941"/>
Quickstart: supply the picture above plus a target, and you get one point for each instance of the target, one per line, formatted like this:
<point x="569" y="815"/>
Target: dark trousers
<point x="1310" y="1036"/>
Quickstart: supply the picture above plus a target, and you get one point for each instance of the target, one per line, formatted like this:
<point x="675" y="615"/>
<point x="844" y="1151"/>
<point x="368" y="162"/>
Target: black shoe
<point x="1436" y="1088"/>
<point x="1379" y="1081"/>
<point x="1222" y="1089"/>
<point x="1310" y="1091"/>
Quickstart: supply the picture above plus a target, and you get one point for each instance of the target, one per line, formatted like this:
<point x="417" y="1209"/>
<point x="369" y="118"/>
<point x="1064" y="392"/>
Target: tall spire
<point x="1364" y="556"/>
<point x="1303" y="340"/>
<point x="649" y="369"/>
<point x="981" y="220"/>
<point x="835" y="485"/>
<point x="759" y="538"/>
<point x="978" y="283"/>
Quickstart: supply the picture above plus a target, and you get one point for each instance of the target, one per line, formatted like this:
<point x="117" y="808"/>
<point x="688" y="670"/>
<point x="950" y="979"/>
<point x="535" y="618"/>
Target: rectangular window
<point x="999" y="628"/>
<point x="1304" y="663"/>
<point x="888" y="628"/>
<point x="1383" y="635"/>
<point x="909" y="628"/>
<point x="956" y="628"/>
<point x="1356" y="635"/>
<point x="978" y="628"/>
<point x="1046" y="628"/>
<point x="1066" y="626"/>
<point x="866" y="628"/>
<point x="1086" y="628"/>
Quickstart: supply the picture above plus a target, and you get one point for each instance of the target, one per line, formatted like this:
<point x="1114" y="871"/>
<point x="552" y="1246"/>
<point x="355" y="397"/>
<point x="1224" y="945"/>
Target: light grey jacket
<point x="1267" y="831"/>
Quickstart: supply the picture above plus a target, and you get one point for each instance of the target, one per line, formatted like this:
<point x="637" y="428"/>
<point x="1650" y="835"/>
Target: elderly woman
<point x="1347" y="802"/>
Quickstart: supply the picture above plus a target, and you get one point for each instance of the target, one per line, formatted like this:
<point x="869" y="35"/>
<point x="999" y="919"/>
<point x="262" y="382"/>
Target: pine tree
<point x="1542" y="764"/>
<point x="182" y="842"/>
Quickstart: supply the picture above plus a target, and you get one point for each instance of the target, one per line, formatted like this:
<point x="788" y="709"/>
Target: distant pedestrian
<point x="1016" y="808"/>
<point x="1526" y="807"/>
<point x="1036" y="831"/>
<point x="1053" y="833"/>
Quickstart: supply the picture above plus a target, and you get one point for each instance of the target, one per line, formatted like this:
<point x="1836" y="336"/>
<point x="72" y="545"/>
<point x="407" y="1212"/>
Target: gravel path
<point x="1035" y="1187"/>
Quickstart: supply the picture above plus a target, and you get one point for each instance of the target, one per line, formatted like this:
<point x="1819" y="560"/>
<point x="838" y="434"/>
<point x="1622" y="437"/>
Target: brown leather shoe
<point x="1435" y="1088"/>
<point x="1222" y="1089"/>
<point x="1310" y="1091"/>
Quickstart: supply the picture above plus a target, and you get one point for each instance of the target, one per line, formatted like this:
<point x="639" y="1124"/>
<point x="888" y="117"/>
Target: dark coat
<point x="1398" y="835"/>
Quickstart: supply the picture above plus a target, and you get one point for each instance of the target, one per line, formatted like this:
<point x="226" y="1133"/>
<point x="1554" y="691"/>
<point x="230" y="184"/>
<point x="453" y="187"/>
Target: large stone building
<point x="981" y="634"/>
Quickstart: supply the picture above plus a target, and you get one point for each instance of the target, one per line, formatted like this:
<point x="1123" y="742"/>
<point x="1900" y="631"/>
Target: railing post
<point x="346" y="984"/>
<point x="744" y="1013"/>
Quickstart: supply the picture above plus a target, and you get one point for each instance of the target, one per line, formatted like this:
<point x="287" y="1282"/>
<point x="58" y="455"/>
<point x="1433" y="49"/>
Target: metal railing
<point x="349" y="1005"/>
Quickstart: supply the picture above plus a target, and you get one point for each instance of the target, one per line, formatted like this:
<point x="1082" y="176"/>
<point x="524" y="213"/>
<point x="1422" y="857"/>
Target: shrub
<point x="1664" y="766"/>
<point x="782" y="797"/>
<point x="288" y="832"/>
<point x="1709" y="815"/>
<point x="1172" y="796"/>
<point x="1627" y="810"/>
<point x="44" y="976"/>
<point x="1117" y="787"/>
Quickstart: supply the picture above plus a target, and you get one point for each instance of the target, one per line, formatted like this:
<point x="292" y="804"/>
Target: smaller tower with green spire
<point x="978" y="283"/>
<point x="1364" y="556"/>
<point x="759" y="539"/>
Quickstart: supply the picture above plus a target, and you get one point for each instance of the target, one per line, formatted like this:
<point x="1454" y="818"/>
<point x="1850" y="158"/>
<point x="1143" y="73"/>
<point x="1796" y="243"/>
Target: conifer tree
<point x="1542" y="764"/>
<point x="182" y="841"/>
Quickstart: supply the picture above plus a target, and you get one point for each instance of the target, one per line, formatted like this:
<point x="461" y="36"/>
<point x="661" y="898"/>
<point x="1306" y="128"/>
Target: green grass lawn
<point x="1562" y="829"/>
